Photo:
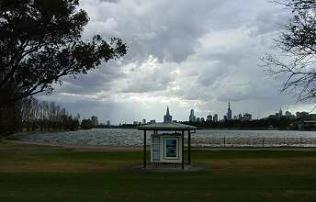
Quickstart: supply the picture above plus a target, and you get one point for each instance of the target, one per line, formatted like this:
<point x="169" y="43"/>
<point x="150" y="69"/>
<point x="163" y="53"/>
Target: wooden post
<point x="144" y="148"/>
<point x="189" y="147"/>
<point x="224" y="141"/>
<point x="182" y="162"/>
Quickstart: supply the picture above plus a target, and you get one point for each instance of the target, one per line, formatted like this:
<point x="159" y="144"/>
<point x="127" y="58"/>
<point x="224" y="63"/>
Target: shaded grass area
<point x="36" y="173"/>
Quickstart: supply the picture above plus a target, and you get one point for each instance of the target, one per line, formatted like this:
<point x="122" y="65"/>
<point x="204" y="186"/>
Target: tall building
<point x="229" y="112"/>
<point x="77" y="117"/>
<point x="209" y="118"/>
<point x="144" y="121"/>
<point x="240" y="117"/>
<point x="192" y="117"/>
<point x="95" y="121"/>
<point x="167" y="118"/>
<point x="215" y="118"/>
<point x="280" y="112"/>
<point x="108" y="123"/>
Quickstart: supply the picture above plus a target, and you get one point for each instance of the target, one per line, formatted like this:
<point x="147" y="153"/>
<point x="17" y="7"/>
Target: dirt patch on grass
<point x="60" y="167"/>
<point x="278" y="165"/>
<point x="93" y="148"/>
<point x="169" y="168"/>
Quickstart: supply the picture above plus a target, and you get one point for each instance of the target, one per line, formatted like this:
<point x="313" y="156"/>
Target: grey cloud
<point x="94" y="81"/>
<point x="110" y="1"/>
<point x="169" y="29"/>
<point x="154" y="81"/>
<point x="213" y="74"/>
<point x="206" y="52"/>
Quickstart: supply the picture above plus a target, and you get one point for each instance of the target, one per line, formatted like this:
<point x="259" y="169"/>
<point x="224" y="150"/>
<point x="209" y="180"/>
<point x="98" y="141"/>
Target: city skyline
<point x="181" y="115"/>
<point x="167" y="117"/>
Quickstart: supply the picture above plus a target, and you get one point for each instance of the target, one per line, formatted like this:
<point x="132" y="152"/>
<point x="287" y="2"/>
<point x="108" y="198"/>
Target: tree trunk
<point x="10" y="119"/>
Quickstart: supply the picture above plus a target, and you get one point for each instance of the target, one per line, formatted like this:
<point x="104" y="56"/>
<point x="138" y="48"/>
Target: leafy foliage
<point x="86" y="124"/>
<point x="40" y="42"/>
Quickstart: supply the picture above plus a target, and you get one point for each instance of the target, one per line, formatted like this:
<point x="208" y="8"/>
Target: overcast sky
<point x="185" y="54"/>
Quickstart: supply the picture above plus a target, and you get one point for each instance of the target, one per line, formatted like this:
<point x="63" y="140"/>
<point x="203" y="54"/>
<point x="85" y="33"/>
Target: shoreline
<point x="110" y="148"/>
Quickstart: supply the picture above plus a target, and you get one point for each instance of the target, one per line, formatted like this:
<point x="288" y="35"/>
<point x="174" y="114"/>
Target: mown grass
<point x="35" y="173"/>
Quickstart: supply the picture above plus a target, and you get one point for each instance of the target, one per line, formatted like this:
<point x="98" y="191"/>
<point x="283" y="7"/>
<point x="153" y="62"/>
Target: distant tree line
<point x="90" y="123"/>
<point x="270" y="122"/>
<point x="46" y="116"/>
<point x="87" y="124"/>
<point x="260" y="124"/>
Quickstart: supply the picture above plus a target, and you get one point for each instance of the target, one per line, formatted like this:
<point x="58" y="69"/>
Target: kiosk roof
<point x="166" y="126"/>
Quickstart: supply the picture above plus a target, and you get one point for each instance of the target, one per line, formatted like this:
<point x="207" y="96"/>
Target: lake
<point x="202" y="138"/>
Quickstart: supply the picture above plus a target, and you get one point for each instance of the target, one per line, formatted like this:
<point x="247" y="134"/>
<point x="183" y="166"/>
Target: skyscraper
<point x="280" y="112"/>
<point x="167" y="118"/>
<point x="229" y="112"/>
<point x="209" y="118"/>
<point x="240" y="117"/>
<point x="215" y="118"/>
<point x="192" y="117"/>
<point x="95" y="121"/>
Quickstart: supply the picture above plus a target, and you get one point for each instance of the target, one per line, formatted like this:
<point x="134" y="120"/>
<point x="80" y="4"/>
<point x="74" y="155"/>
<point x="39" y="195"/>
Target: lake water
<point x="214" y="138"/>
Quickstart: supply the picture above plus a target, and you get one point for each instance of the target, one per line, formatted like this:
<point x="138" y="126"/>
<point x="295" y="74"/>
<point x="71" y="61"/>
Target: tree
<point x="86" y="124"/>
<point x="40" y="42"/>
<point x="298" y="46"/>
<point x="45" y="115"/>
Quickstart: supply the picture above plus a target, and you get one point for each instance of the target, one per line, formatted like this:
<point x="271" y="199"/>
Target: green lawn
<point x="37" y="173"/>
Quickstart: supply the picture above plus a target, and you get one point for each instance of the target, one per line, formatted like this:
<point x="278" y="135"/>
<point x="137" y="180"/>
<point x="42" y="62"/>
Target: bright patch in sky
<point x="184" y="54"/>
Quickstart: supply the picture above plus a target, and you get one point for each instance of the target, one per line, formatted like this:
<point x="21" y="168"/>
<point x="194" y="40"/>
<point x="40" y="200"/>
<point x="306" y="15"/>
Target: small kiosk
<point x="167" y="143"/>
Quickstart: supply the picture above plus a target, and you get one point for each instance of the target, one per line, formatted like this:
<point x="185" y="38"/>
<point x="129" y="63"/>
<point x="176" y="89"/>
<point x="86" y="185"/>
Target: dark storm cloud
<point x="95" y="81"/>
<point x="167" y="29"/>
<point x="188" y="54"/>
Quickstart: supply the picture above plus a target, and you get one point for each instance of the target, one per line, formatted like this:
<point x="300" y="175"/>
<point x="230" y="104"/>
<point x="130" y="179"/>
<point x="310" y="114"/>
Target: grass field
<point x="38" y="173"/>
